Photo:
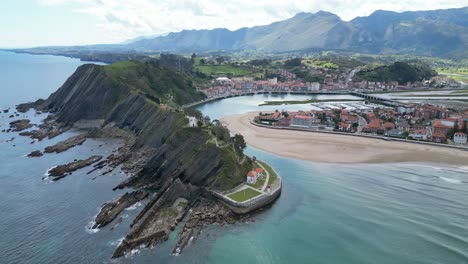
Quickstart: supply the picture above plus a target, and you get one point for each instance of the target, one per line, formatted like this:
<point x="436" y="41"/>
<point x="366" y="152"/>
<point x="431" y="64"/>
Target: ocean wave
<point x="117" y="242"/>
<point x="450" y="180"/>
<point x="89" y="228"/>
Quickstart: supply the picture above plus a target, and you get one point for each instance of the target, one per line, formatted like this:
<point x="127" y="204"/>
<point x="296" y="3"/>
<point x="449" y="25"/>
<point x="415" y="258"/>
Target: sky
<point x="31" y="23"/>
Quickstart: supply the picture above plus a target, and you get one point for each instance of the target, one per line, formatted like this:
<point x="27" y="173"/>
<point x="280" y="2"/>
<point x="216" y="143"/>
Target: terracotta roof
<point x="438" y="123"/>
<point x="259" y="170"/>
<point x="389" y="125"/>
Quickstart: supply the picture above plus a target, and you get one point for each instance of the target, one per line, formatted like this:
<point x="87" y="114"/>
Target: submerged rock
<point x="20" y="125"/>
<point x="36" y="153"/>
<point x="66" y="144"/>
<point x="62" y="170"/>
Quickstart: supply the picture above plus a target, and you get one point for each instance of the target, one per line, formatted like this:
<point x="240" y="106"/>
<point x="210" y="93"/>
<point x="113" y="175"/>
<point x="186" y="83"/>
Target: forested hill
<point x="402" y="72"/>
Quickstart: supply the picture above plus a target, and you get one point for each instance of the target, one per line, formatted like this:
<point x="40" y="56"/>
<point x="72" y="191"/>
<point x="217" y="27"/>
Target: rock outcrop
<point x="20" y="125"/>
<point x="61" y="171"/>
<point x="36" y="153"/>
<point x="66" y="144"/>
<point x="112" y="209"/>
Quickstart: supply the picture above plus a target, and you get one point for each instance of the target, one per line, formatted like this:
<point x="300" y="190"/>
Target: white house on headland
<point x="460" y="138"/>
<point x="252" y="177"/>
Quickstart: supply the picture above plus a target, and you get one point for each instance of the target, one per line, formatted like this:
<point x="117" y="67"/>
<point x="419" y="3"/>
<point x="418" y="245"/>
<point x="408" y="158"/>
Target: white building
<point x="460" y="138"/>
<point x="405" y="109"/>
<point x="252" y="177"/>
<point x="315" y="86"/>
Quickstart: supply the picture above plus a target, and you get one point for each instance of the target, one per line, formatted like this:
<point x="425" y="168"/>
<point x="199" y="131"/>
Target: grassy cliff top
<point x="159" y="84"/>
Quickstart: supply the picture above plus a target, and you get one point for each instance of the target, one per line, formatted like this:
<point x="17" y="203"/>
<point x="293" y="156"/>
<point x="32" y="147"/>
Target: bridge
<point x="371" y="97"/>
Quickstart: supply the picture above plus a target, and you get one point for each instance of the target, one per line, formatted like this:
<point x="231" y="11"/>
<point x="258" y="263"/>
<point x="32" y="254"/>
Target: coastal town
<point x="330" y="81"/>
<point x="368" y="113"/>
<point x="421" y="122"/>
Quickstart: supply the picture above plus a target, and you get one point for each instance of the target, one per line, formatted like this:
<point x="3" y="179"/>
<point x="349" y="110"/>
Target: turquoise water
<point x="327" y="213"/>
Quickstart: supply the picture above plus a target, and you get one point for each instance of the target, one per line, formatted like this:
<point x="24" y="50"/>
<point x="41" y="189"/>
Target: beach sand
<point x="329" y="148"/>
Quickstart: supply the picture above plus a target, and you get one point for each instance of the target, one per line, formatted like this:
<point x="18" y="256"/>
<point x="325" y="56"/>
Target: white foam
<point x="117" y="242"/>
<point x="89" y="228"/>
<point x="132" y="253"/>
<point x="450" y="180"/>
<point x="47" y="173"/>
<point x="133" y="207"/>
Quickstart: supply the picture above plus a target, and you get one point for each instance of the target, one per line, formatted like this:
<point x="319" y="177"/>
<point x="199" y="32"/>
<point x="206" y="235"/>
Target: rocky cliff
<point x="177" y="160"/>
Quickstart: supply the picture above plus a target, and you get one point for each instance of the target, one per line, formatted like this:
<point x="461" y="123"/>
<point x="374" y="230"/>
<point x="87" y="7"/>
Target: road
<point x="362" y="124"/>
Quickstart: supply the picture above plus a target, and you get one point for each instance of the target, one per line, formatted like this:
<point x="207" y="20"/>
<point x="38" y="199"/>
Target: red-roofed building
<point x="252" y="177"/>
<point x="442" y="126"/>
<point x="439" y="137"/>
<point x="301" y="121"/>
<point x="388" y="126"/>
<point x="259" y="171"/>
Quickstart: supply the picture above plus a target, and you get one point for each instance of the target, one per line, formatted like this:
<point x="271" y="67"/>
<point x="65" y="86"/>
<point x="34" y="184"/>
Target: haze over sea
<point x="327" y="213"/>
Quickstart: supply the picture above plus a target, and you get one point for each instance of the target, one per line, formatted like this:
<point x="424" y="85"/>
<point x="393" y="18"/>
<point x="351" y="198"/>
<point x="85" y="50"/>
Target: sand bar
<point x="329" y="148"/>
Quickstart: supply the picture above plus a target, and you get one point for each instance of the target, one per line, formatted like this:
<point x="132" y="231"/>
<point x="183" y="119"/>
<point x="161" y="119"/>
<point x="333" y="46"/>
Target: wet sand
<point x="330" y="148"/>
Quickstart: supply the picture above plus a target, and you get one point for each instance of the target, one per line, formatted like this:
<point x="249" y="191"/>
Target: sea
<point x="327" y="213"/>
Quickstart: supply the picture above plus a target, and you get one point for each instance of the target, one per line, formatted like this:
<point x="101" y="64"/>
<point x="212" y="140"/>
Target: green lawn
<point x="244" y="195"/>
<point x="459" y="74"/>
<point x="272" y="173"/>
<point x="316" y="63"/>
<point x="259" y="183"/>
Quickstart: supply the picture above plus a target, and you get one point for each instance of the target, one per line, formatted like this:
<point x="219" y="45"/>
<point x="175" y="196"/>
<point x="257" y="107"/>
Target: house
<point x="344" y="127"/>
<point x="259" y="172"/>
<point x="460" y="138"/>
<point x="252" y="177"/>
<point x="388" y="126"/>
<point x="442" y="126"/>
<point x="420" y="134"/>
<point x="439" y="137"/>
<point x="301" y="121"/>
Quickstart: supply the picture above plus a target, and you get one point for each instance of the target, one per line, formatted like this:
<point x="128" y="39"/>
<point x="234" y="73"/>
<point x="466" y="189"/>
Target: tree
<point x="192" y="59"/>
<point x="293" y="63"/>
<point x="193" y="112"/>
<point x="239" y="143"/>
<point x="202" y="61"/>
<point x="465" y="128"/>
<point x="220" y="59"/>
<point x="218" y="131"/>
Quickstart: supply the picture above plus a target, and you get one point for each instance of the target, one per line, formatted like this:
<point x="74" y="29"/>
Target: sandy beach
<point x="329" y="148"/>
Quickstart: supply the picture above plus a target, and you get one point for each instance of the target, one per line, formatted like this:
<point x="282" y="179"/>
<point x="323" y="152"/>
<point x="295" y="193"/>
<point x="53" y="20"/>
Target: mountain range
<point x="433" y="33"/>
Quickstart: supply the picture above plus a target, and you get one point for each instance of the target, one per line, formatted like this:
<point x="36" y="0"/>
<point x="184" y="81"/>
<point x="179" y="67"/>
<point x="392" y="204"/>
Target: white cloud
<point x="122" y="19"/>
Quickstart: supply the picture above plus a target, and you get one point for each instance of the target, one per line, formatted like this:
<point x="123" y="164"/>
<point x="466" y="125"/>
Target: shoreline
<point x="340" y="149"/>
